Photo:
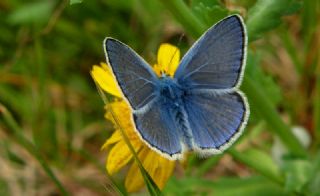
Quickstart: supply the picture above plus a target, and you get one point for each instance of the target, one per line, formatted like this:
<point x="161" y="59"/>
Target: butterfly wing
<point x="134" y="76"/>
<point x="216" y="121"/>
<point x="217" y="59"/>
<point x="211" y="73"/>
<point x="139" y="84"/>
<point x="157" y="126"/>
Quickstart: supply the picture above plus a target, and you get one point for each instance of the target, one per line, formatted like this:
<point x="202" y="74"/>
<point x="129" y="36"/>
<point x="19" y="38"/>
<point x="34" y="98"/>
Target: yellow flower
<point x="168" y="59"/>
<point x="158" y="167"/>
<point x="103" y="76"/>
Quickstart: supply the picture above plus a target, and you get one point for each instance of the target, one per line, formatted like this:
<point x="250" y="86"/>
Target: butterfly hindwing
<point x="216" y="120"/>
<point x="217" y="59"/>
<point x="134" y="76"/>
<point x="158" y="127"/>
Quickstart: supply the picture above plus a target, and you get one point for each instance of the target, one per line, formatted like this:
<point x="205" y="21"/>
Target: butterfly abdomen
<point x="184" y="127"/>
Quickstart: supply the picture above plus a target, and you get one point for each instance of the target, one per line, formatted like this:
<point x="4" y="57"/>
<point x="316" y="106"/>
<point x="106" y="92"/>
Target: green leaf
<point x="266" y="15"/>
<point x="226" y="186"/>
<point x="121" y="5"/>
<point x="209" y="11"/>
<point x="259" y="161"/>
<point x="271" y="89"/>
<point x="185" y="16"/>
<point x="293" y="7"/>
<point x="250" y="186"/>
<point x="72" y="2"/>
<point x="263" y="105"/>
<point x="313" y="186"/>
<point x="32" y="13"/>
<point x="297" y="174"/>
<point x="208" y="164"/>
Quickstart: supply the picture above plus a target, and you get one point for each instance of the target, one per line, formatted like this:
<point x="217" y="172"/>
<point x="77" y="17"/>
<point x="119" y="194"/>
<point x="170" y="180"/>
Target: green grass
<point x="51" y="114"/>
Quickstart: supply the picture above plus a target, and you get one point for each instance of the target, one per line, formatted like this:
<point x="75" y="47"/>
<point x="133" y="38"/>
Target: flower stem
<point x="256" y="96"/>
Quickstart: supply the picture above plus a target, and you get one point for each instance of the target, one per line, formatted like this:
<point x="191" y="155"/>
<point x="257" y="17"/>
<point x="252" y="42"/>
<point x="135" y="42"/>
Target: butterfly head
<point x="163" y="74"/>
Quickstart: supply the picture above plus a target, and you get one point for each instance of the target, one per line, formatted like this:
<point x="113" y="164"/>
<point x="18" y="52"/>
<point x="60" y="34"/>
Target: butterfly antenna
<point x="177" y="49"/>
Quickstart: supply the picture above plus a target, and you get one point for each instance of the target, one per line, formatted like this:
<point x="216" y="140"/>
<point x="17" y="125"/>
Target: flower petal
<point x="134" y="180"/>
<point x="159" y="168"/>
<point x="168" y="58"/>
<point x="123" y="113"/>
<point x="115" y="137"/>
<point x="163" y="172"/>
<point x="158" y="69"/>
<point x="120" y="155"/>
<point x="103" y="76"/>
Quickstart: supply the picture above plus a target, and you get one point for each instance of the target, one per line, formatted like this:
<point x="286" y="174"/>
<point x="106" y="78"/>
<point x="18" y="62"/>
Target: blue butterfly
<point x="200" y="108"/>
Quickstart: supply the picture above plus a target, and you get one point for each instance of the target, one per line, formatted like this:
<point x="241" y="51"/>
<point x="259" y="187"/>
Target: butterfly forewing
<point x="134" y="76"/>
<point x="216" y="60"/>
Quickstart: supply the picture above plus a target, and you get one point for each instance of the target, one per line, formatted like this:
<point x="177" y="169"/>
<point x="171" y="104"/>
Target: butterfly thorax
<point x="170" y="89"/>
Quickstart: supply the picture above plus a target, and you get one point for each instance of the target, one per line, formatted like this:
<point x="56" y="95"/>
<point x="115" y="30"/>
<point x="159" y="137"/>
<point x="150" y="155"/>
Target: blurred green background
<point x="51" y="116"/>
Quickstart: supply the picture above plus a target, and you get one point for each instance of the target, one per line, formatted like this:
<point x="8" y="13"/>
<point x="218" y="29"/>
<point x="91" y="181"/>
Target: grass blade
<point x="260" y="162"/>
<point x="30" y="147"/>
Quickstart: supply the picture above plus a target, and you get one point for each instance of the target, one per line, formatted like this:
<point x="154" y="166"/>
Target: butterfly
<point x="200" y="108"/>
